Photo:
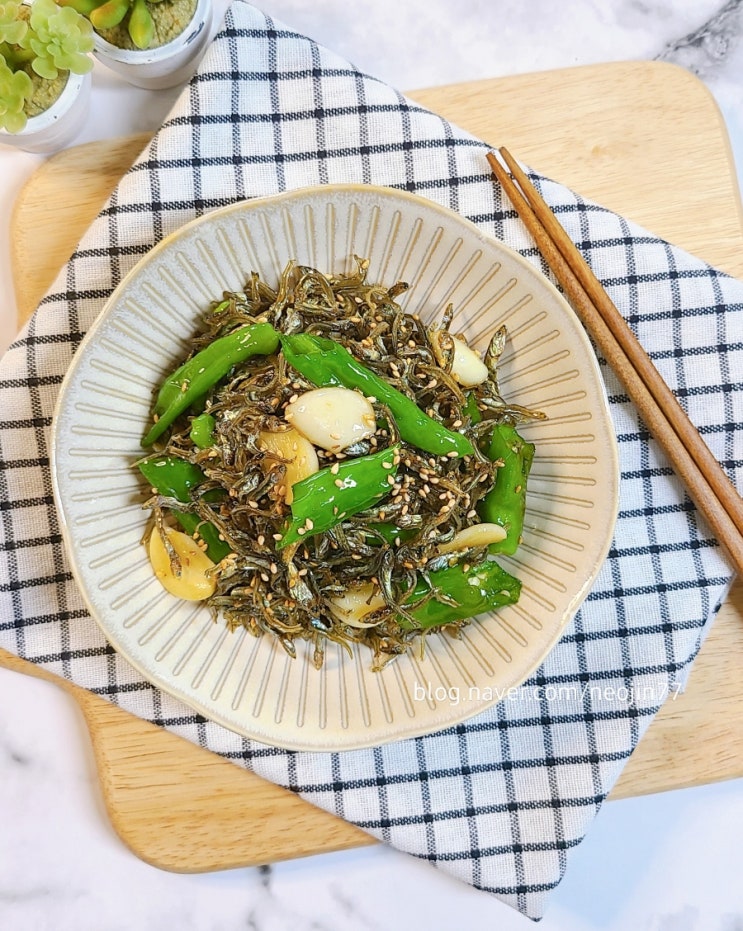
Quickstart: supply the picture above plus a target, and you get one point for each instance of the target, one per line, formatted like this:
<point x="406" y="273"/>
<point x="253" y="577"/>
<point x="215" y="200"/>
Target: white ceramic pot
<point x="56" y="127"/>
<point x="166" y="65"/>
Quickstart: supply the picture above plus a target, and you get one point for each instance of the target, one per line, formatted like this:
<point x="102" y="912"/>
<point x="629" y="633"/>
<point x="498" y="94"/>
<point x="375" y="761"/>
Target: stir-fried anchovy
<point x="392" y="545"/>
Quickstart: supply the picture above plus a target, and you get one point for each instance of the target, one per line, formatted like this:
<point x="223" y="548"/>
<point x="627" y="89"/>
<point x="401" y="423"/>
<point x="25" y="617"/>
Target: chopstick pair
<point x="706" y="483"/>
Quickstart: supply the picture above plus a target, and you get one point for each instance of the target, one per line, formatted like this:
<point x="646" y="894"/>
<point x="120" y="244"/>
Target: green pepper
<point x="194" y="378"/>
<point x="327" y="497"/>
<point x="471" y="409"/>
<point x="480" y="588"/>
<point x="202" y="430"/>
<point x="176" y="478"/>
<point x="505" y="503"/>
<point x="326" y="363"/>
<point x="388" y="533"/>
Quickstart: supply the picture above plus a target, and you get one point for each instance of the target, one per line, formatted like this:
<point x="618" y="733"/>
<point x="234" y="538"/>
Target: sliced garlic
<point x="467" y="367"/>
<point x="332" y="418"/>
<point x="355" y="603"/>
<point x="300" y="453"/>
<point x="192" y="584"/>
<point x="472" y="536"/>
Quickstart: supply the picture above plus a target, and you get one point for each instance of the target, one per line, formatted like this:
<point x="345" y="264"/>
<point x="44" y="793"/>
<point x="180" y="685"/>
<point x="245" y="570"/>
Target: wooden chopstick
<point x="706" y="483"/>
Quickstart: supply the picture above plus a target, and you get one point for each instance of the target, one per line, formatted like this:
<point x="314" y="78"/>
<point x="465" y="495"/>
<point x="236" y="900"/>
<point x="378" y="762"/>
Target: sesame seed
<point x="252" y="503"/>
<point x="261" y="539"/>
<point x="390" y="480"/>
<point x="277" y="536"/>
<point x="386" y="465"/>
<point x="338" y="483"/>
<point x="301" y="531"/>
<point x="264" y="577"/>
<point x="274" y="568"/>
<point x="309" y="524"/>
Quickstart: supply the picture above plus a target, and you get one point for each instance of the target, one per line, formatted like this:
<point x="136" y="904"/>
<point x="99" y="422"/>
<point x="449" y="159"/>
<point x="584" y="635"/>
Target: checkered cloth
<point x="501" y="800"/>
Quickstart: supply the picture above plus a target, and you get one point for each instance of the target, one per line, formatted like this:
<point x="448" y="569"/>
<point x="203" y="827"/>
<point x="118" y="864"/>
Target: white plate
<point x="250" y="685"/>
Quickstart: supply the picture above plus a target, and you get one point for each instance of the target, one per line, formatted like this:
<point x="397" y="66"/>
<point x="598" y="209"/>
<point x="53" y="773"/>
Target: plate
<point x="248" y="684"/>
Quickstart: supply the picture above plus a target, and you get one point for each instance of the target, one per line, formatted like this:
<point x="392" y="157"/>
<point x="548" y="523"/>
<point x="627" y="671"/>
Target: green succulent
<point x="107" y="14"/>
<point x="15" y="89"/>
<point x="12" y="27"/>
<point x="59" y="38"/>
<point x="41" y="39"/>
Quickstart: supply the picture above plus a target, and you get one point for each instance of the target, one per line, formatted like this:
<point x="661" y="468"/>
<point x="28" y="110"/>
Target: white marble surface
<point x="662" y="863"/>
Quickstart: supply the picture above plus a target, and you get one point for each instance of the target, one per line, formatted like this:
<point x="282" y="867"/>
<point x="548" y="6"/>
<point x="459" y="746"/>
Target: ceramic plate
<point x="250" y="685"/>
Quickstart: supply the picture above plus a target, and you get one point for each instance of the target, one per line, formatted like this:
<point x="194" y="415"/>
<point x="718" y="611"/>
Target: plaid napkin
<point x="501" y="800"/>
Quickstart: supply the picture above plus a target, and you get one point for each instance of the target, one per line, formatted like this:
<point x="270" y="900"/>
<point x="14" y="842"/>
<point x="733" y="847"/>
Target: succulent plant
<point x="40" y="39"/>
<point x="59" y="38"/>
<point x="107" y="14"/>
<point x="12" y="27"/>
<point x="15" y="88"/>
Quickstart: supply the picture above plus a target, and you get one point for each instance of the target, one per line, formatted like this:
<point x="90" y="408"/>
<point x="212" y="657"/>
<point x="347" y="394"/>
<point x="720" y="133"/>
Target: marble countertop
<point x="661" y="863"/>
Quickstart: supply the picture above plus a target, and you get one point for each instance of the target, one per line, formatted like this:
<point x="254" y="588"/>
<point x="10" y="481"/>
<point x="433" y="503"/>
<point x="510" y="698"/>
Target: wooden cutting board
<point x="643" y="138"/>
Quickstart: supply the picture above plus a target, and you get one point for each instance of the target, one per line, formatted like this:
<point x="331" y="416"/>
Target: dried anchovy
<point x="287" y="594"/>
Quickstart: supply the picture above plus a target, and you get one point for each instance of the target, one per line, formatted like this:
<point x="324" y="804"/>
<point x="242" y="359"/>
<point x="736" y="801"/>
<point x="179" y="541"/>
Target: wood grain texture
<point x="618" y="135"/>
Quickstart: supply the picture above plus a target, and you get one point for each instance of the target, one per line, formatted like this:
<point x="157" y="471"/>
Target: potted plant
<point x="44" y="74"/>
<point x="150" y="43"/>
